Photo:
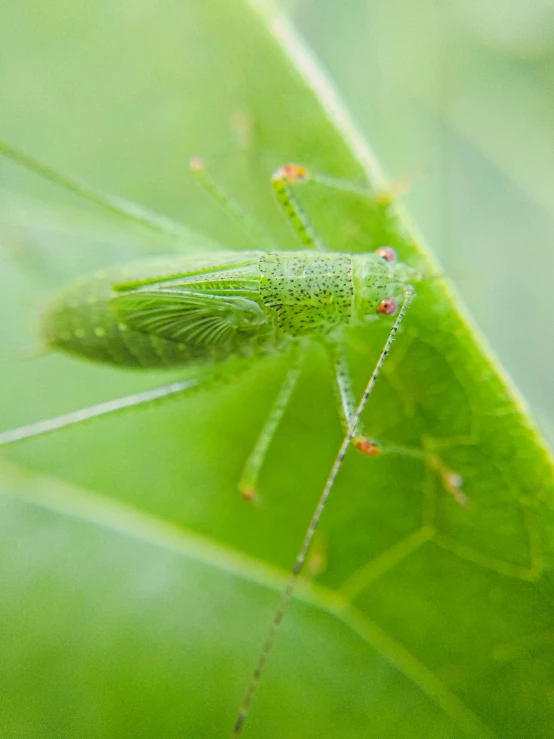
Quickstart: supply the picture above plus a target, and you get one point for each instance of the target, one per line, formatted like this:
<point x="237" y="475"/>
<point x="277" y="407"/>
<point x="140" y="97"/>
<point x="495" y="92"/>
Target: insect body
<point x="204" y="310"/>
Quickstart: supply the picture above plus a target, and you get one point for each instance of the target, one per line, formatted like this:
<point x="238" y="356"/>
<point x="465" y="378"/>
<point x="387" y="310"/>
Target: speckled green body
<point x="207" y="308"/>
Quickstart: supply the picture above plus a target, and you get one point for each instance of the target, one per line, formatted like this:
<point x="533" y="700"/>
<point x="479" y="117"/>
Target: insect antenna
<point x="127" y="209"/>
<point x="314" y="522"/>
<point x="249" y="225"/>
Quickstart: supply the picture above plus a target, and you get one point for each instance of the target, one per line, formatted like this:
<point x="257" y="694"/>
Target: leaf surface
<point x="137" y="585"/>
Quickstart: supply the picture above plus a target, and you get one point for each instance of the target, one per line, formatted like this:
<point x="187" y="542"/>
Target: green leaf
<point x="136" y="585"/>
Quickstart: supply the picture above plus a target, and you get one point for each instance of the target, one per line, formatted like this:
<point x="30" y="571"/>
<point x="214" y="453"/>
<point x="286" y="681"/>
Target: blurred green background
<point x="136" y="585"/>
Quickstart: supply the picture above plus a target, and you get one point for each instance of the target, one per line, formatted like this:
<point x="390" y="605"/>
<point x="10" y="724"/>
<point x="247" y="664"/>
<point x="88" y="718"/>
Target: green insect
<point x="205" y="310"/>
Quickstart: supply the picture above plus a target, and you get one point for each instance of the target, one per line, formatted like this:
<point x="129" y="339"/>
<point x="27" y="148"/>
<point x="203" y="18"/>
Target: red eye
<point x="387" y="253"/>
<point x="387" y="307"/>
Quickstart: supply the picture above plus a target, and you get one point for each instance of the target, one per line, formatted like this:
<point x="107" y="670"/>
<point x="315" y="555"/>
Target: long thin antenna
<point x="314" y="523"/>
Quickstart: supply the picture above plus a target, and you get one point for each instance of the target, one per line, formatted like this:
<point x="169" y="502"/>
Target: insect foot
<point x="248" y="493"/>
<point x="452" y="481"/>
<point x="399" y="186"/>
<point x="197" y="165"/>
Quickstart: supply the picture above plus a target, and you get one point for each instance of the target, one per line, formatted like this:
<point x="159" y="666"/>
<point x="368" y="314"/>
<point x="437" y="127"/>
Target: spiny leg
<point x="281" y="180"/>
<point x="346" y="401"/>
<point x="293" y="174"/>
<point x="109" y="407"/>
<point x="314" y="523"/>
<point x="252" y="228"/>
<point x="249" y="478"/>
<point x="451" y="481"/>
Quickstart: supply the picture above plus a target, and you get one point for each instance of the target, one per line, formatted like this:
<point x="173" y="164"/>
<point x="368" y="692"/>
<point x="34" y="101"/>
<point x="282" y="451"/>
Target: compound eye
<point x="387" y="307"/>
<point x="387" y="253"/>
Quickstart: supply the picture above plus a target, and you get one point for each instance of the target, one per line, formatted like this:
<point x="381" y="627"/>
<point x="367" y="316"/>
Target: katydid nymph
<point x="204" y="310"/>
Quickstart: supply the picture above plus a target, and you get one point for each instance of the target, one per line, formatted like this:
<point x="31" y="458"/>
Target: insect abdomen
<point x="81" y="319"/>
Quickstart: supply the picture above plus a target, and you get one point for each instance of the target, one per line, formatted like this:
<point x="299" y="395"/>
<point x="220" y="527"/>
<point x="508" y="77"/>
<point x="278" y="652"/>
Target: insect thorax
<point x="318" y="293"/>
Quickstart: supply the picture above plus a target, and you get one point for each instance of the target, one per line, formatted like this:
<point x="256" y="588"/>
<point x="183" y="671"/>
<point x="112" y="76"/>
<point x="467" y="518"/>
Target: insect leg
<point x="346" y="401"/>
<point x="134" y="212"/>
<point x="282" y="178"/>
<point x="314" y="522"/>
<point x="292" y="174"/>
<point x="452" y="481"/>
<point x="109" y="407"/>
<point x="384" y="196"/>
<point x="252" y="228"/>
<point x="249" y="478"/>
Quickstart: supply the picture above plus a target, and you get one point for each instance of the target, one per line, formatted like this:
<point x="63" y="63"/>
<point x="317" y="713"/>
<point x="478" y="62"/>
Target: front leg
<point x="346" y="401"/>
<point x="281" y="181"/>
